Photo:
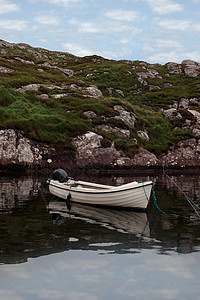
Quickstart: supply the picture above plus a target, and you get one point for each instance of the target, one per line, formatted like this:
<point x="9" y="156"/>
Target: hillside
<point x="55" y="98"/>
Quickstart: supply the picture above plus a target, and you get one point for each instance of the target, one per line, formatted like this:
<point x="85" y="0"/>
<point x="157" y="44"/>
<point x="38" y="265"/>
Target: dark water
<point x="97" y="253"/>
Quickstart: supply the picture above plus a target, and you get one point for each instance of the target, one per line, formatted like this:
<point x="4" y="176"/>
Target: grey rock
<point x="58" y="96"/>
<point x="185" y="154"/>
<point x="128" y="118"/>
<point x="196" y="114"/>
<point x="154" y="87"/>
<point x="124" y="133"/>
<point x="90" y="114"/>
<point x="93" y="91"/>
<point x="143" y="135"/>
<point x="174" y="68"/>
<point x="120" y="92"/>
<point x="171" y="113"/>
<point x="191" y="68"/>
<point x="25" y="61"/>
<point x="91" y="153"/>
<point x="6" y="70"/>
<point x="184" y="103"/>
<point x="15" y="148"/>
<point x="167" y="84"/>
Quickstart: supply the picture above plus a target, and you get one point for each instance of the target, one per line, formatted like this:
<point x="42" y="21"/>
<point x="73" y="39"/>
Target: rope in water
<point x="190" y="201"/>
<point x="154" y="198"/>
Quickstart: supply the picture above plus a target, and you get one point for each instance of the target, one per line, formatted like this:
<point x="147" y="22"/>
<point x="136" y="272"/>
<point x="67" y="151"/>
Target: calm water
<point x="92" y="253"/>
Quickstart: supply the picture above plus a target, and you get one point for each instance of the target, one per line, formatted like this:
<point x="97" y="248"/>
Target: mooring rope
<point x="154" y="197"/>
<point x="190" y="201"/>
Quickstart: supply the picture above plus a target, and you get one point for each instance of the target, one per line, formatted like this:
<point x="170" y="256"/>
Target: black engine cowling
<point x="60" y="175"/>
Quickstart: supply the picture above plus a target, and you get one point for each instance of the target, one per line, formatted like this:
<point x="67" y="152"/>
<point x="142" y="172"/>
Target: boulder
<point x="124" y="133"/>
<point x="127" y="117"/>
<point x="191" y="68"/>
<point x="90" y="153"/>
<point x="6" y="70"/>
<point x="174" y="68"/>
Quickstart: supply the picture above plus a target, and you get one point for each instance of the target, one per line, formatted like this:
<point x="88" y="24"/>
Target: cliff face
<point x="58" y="110"/>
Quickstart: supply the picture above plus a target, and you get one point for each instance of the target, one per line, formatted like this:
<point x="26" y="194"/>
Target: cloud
<point x="174" y="24"/>
<point x="62" y="2"/>
<point x="163" y="7"/>
<point x="172" y="56"/>
<point x="153" y="45"/>
<point x="181" y="25"/>
<point x="12" y="24"/>
<point x="80" y="50"/>
<point x="9" y="295"/>
<point x="51" y="294"/>
<point x="89" y="27"/>
<point x="7" y="7"/>
<point x="46" y="20"/>
<point x="122" y="15"/>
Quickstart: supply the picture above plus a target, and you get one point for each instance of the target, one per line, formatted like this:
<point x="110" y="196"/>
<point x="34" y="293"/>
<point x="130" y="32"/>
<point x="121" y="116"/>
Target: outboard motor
<point x="60" y="175"/>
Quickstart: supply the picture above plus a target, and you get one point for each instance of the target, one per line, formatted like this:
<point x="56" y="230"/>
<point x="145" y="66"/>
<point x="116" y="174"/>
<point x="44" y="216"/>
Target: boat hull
<point x="132" y="195"/>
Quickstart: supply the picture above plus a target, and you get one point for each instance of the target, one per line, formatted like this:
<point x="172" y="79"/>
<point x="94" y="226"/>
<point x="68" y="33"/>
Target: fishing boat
<point x="123" y="221"/>
<point x="133" y="195"/>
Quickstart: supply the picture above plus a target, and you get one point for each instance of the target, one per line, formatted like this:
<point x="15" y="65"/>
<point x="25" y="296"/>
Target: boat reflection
<point x="123" y="221"/>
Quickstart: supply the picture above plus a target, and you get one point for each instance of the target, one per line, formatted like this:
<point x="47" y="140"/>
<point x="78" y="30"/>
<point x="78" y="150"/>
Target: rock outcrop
<point x="16" y="151"/>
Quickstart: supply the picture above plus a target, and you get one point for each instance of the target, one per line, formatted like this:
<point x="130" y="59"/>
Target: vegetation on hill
<point x="46" y="93"/>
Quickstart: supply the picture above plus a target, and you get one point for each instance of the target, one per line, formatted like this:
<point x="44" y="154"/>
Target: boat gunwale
<point x="101" y="191"/>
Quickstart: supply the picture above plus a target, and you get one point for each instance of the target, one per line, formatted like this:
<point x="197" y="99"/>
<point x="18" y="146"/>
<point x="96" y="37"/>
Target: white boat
<point x="133" y="195"/>
<point x="122" y="221"/>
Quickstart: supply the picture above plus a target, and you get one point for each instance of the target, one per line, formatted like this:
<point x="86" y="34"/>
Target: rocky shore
<point x="20" y="153"/>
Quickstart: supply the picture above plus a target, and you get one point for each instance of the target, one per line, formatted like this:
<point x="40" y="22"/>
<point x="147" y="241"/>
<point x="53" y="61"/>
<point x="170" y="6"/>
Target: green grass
<point x="57" y="121"/>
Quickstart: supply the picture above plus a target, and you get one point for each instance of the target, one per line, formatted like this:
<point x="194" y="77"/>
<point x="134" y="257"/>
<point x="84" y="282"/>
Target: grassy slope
<point x="57" y="121"/>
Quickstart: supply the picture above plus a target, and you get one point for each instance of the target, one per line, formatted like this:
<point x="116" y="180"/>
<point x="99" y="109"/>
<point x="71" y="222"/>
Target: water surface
<point x="47" y="252"/>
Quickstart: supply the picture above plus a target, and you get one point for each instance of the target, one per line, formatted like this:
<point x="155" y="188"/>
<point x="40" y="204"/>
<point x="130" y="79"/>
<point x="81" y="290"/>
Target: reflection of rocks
<point x="15" y="193"/>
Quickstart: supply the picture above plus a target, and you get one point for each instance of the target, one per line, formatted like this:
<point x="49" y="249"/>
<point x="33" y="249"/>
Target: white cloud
<point x="174" y="24"/>
<point x="46" y="20"/>
<point x="89" y="27"/>
<point x="163" y="7"/>
<point x="196" y="26"/>
<point x="173" y="56"/>
<point x="79" y="50"/>
<point x="181" y="25"/>
<point x="7" y="7"/>
<point x="122" y="15"/>
<point x="160" y="44"/>
<point x="62" y="2"/>
<point x="12" y="24"/>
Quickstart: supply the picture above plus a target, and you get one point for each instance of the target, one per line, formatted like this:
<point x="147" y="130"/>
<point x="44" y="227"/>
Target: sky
<point x="155" y="31"/>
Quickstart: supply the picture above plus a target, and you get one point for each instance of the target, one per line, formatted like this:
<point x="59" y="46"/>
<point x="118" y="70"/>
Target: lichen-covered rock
<point x="124" y="133"/>
<point x="185" y="154"/>
<point x="145" y="158"/>
<point x="94" y="91"/>
<point x="191" y="68"/>
<point x="14" y="148"/>
<point x="174" y="68"/>
<point x="143" y="135"/>
<point x="90" y="152"/>
<point x="171" y="113"/>
<point x="127" y="117"/>
<point x="90" y="114"/>
<point x="6" y="70"/>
